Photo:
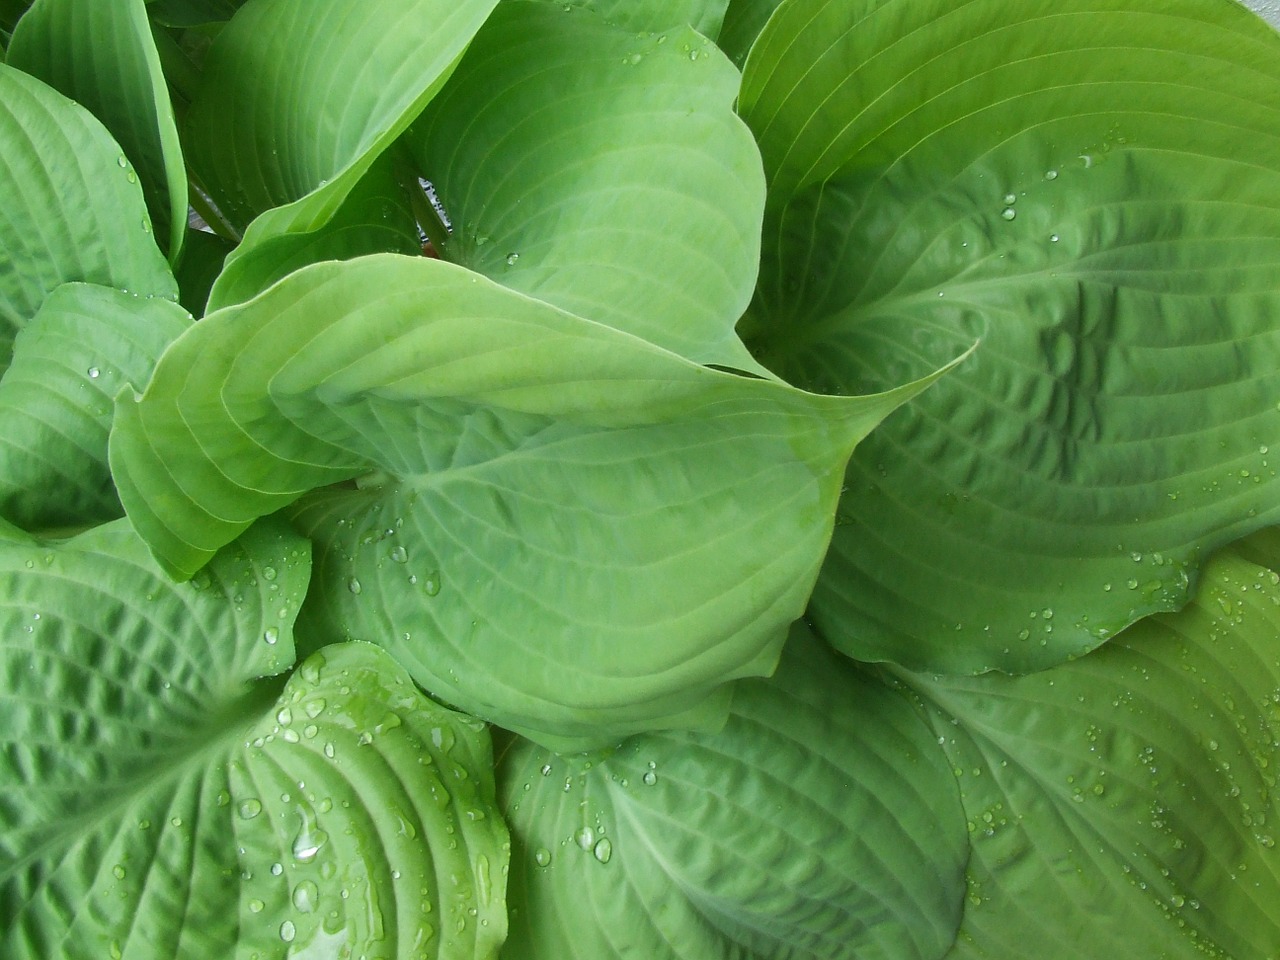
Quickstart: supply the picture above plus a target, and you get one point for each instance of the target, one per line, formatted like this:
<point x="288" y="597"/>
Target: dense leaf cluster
<point x="824" y="446"/>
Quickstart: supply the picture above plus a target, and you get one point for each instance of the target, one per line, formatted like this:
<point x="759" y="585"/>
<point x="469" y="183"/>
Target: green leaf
<point x="192" y="13"/>
<point x="1125" y="804"/>
<point x="655" y="16"/>
<point x="822" y="822"/>
<point x="102" y="56"/>
<point x="296" y="102"/>
<point x="1091" y="190"/>
<point x="743" y="21"/>
<point x="162" y="801"/>
<point x="70" y="206"/>
<point x="603" y="172"/>
<point x="557" y="526"/>
<point x="375" y="217"/>
<point x="203" y="255"/>
<point x="69" y="362"/>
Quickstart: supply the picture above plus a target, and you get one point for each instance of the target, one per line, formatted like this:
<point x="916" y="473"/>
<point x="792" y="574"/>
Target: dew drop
<point x="400" y="555"/>
<point x="118" y="871"/>
<point x="1008" y="213"/>
<point x="1051" y="174"/>
<point x="1010" y="198"/>
<point x="249" y="809"/>
<point x="585" y="838"/>
<point x="94" y="373"/>
<point x="512" y="258"/>
<point x="122" y="161"/>
<point x="306" y="896"/>
<point x="542" y="856"/>
<point x="354" y="586"/>
<point x="271" y="635"/>
<point x="288" y="931"/>
<point x="432" y="585"/>
<point x="649" y="778"/>
<point x="256" y="906"/>
<point x="546" y="770"/>
<point x="603" y="850"/>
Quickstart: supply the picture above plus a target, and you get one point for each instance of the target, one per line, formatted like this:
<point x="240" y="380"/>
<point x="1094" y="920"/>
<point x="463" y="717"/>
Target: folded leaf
<point x="70" y="206"/>
<point x="56" y="400"/>
<point x="1125" y="804"/>
<point x="297" y="101"/>
<point x="603" y="172"/>
<point x="557" y="526"/>
<point x="1093" y="190"/>
<point x="822" y="822"/>
<point x="102" y="56"/>
<point x="162" y="801"/>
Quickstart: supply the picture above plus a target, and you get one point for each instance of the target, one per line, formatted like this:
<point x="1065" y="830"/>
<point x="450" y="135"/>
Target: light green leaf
<point x="655" y="16"/>
<point x="557" y="526"/>
<point x="822" y="822"/>
<point x="70" y="207"/>
<point x="1125" y="804"/>
<point x="603" y="172"/>
<point x="162" y="801"/>
<point x="69" y="362"/>
<point x="375" y="217"/>
<point x="102" y="56"/>
<point x="296" y="102"/>
<point x="1094" y="191"/>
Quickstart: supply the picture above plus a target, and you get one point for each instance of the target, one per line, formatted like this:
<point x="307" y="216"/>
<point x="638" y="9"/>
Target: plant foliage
<point x="813" y="499"/>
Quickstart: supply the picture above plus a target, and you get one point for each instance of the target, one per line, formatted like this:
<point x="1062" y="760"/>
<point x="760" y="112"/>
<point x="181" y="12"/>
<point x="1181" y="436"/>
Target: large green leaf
<point x="1126" y="804"/>
<point x="1092" y="188"/>
<point x="603" y="172"/>
<point x="70" y="207"/>
<point x="69" y="362"/>
<point x="557" y="526"/>
<point x="743" y="21"/>
<point x="161" y="801"/>
<point x="822" y="822"/>
<point x="102" y="56"/>
<point x="296" y="102"/>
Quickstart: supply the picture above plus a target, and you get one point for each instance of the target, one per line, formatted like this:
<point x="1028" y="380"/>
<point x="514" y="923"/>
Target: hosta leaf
<point x="56" y="398"/>
<point x="70" y="206"/>
<point x="1094" y="191"/>
<point x="654" y="16"/>
<point x="557" y="526"/>
<point x="203" y="256"/>
<point x="743" y="21"/>
<point x="297" y="101"/>
<point x="603" y="172"/>
<point x="822" y="822"/>
<point x="163" y="801"/>
<point x="1125" y="804"/>
<point x="102" y="56"/>
<point x="375" y="217"/>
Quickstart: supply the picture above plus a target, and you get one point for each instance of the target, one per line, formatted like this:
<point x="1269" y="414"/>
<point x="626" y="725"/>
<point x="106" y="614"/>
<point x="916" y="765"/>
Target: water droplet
<point x="603" y="850"/>
<point x="512" y="258"/>
<point x="1051" y="174"/>
<point x="546" y="770"/>
<point x="306" y="896"/>
<point x="632" y="60"/>
<point x="649" y="778"/>
<point x="693" y="54"/>
<point x="94" y="373"/>
<point x="542" y="856"/>
<point x="256" y="906"/>
<point x="585" y="838"/>
<point x="118" y="871"/>
<point x="484" y="882"/>
<point x="132" y="177"/>
<point x="1008" y="213"/>
<point x="249" y="808"/>
<point x="122" y="161"/>
<point x="284" y="716"/>
<point x="277" y="869"/>
<point x="288" y="931"/>
<point x="354" y="586"/>
<point x="308" y="843"/>
<point x="432" y="585"/>
<point x="271" y="635"/>
<point x="1054" y="238"/>
<point x="1010" y="198"/>
<point x="400" y="555"/>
